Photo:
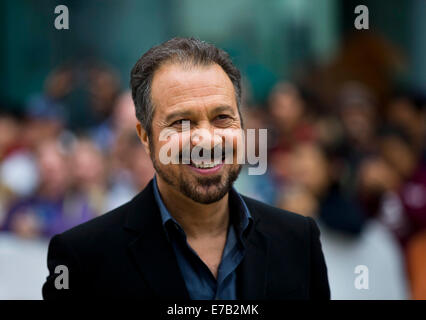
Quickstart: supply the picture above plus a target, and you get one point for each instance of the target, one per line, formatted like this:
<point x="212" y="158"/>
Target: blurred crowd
<point x="346" y="146"/>
<point x="71" y="154"/>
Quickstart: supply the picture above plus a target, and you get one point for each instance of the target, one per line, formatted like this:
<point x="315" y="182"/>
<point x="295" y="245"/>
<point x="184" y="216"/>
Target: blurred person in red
<point x="11" y="123"/>
<point x="291" y="121"/>
<point x="407" y="111"/>
<point x="349" y="239"/>
<point x="291" y="125"/>
<point x="406" y="152"/>
<point x="392" y="184"/>
<point x="312" y="185"/>
<point x="10" y="127"/>
<point x="393" y="189"/>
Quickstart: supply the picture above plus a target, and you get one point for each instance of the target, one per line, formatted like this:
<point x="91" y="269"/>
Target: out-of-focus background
<point x="344" y="109"/>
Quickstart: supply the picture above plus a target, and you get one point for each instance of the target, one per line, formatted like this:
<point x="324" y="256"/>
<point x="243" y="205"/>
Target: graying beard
<point x="190" y="191"/>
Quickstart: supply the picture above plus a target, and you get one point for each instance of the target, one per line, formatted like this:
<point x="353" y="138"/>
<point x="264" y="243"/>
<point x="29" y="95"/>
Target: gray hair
<point x="183" y="51"/>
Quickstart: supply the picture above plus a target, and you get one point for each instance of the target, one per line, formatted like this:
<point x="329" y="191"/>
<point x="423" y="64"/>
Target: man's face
<point x="203" y="96"/>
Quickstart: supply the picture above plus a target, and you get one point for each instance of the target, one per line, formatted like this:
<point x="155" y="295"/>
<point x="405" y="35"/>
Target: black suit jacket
<point x="125" y="254"/>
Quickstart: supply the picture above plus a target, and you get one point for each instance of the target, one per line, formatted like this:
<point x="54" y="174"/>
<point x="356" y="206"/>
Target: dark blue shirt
<point x="199" y="281"/>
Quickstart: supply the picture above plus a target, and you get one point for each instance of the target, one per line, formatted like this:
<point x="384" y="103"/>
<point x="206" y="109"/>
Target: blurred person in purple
<point x="39" y="214"/>
<point x="55" y="206"/>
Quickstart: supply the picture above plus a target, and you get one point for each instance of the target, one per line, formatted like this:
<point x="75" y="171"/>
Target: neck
<point x="197" y="219"/>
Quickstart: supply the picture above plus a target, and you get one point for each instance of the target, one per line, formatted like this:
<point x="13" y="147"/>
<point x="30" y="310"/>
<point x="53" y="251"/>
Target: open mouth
<point x="208" y="167"/>
<point x="204" y="165"/>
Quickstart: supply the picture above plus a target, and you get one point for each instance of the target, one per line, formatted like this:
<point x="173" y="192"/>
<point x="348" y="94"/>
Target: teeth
<point x="204" y="165"/>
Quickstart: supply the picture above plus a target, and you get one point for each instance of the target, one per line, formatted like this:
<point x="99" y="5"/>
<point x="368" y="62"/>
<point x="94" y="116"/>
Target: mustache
<point x="221" y="154"/>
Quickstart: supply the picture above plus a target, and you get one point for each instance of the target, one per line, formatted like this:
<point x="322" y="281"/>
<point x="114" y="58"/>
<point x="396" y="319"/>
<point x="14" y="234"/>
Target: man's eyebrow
<point x="220" y="109"/>
<point x="188" y="113"/>
<point x="178" y="114"/>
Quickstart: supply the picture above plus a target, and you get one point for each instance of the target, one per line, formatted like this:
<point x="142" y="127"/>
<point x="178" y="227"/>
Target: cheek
<point x="234" y="145"/>
<point x="168" y="147"/>
<point x="231" y="137"/>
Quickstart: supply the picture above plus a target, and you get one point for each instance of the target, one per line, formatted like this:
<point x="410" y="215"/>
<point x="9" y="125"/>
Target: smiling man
<point x="189" y="234"/>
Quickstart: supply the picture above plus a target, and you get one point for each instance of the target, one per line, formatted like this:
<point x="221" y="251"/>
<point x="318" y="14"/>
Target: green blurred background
<point x="268" y="39"/>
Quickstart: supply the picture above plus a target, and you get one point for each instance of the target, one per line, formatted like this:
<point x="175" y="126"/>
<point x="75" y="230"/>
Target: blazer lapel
<point x="253" y="268"/>
<point x="155" y="258"/>
<point x="151" y="250"/>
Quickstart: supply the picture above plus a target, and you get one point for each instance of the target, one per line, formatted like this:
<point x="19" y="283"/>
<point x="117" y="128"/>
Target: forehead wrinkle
<point x="198" y="92"/>
<point x="189" y="100"/>
<point x="169" y="78"/>
<point x="187" y="88"/>
<point x="198" y="109"/>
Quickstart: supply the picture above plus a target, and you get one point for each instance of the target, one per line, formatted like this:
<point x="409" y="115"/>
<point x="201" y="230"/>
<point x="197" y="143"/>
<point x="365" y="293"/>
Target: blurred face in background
<point x="376" y="176"/>
<point x="53" y="169"/>
<point x="297" y="198"/>
<point x="59" y="83"/>
<point x="9" y="132"/>
<point x="357" y="119"/>
<point x="37" y="130"/>
<point x="286" y="107"/>
<point x="124" y="117"/>
<point x="204" y="96"/>
<point x="399" y="155"/>
<point x="403" y="113"/>
<point x="88" y="165"/>
<point x="307" y="179"/>
<point x="308" y="168"/>
<point x="103" y="88"/>
<point x="141" y="167"/>
<point x="254" y="119"/>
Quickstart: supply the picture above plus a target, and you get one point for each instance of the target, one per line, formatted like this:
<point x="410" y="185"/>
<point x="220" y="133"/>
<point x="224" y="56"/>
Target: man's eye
<point x="223" y="117"/>
<point x="180" y="122"/>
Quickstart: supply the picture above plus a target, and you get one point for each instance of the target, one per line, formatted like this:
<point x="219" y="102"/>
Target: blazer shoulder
<point x="111" y="230"/>
<point x="277" y="222"/>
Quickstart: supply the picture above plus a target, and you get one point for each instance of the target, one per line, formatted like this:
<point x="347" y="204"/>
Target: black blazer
<point x="125" y="254"/>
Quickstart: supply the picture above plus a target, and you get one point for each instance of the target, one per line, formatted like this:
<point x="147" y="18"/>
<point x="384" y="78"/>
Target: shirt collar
<point x="240" y="214"/>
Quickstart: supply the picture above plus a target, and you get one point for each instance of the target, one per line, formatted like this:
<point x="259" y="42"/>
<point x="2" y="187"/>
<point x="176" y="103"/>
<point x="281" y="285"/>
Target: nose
<point x="205" y="137"/>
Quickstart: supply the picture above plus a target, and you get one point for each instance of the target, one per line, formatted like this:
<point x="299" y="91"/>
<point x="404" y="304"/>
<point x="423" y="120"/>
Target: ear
<point x="143" y="137"/>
